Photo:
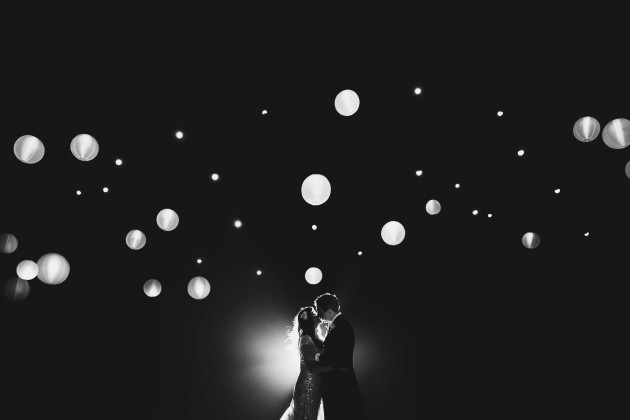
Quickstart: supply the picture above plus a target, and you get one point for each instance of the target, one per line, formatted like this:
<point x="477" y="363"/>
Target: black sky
<point x="458" y="319"/>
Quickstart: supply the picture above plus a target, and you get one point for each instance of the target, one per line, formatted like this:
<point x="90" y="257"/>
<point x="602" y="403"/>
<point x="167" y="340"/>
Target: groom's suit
<point x="340" y="389"/>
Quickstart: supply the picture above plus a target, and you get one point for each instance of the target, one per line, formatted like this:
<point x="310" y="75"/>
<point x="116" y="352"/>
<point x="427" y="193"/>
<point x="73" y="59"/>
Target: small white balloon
<point x="316" y="189"/>
<point x="586" y="234"/>
<point x="84" y="147"/>
<point x="616" y="134"/>
<point x="313" y="275"/>
<point x="136" y="239"/>
<point x="179" y="135"/>
<point x="531" y="240"/>
<point x="8" y="243"/>
<point x="314" y="227"/>
<point x="105" y="189"/>
<point x="167" y="220"/>
<point x="118" y="162"/>
<point x="53" y="269"/>
<point x="199" y="261"/>
<point x="27" y="270"/>
<point x="433" y="207"/>
<point x="521" y="152"/>
<point x="198" y="288"/>
<point x="238" y="223"/>
<point x="456" y="185"/>
<point x="258" y="272"/>
<point x="29" y="149"/>
<point x="264" y="111"/>
<point x="78" y="192"/>
<point x="586" y="129"/>
<point x="215" y="177"/>
<point x="360" y="253"/>
<point x="347" y="102"/>
<point x="152" y="288"/>
<point x="418" y="173"/>
<point x="475" y="212"/>
<point x="417" y="91"/>
<point x="500" y="113"/>
<point x="490" y="215"/>
<point x="17" y="289"/>
<point x="557" y="191"/>
<point x="393" y="233"/>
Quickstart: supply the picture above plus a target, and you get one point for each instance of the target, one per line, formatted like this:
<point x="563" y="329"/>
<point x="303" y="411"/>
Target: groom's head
<point x="327" y="306"/>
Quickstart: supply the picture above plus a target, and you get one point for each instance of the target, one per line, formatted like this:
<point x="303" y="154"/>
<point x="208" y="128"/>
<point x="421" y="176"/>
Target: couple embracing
<point x="327" y="385"/>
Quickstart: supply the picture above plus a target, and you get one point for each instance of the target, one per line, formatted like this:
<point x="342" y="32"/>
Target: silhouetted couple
<point x="327" y="385"/>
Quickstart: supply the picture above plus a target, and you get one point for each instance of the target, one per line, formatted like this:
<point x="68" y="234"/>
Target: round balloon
<point x="393" y="233"/>
<point x="627" y="174"/>
<point x="616" y="134"/>
<point x="347" y="102"/>
<point x="53" y="269"/>
<point x="316" y="189"/>
<point x="531" y="240"/>
<point x="27" y="270"/>
<point x="586" y="129"/>
<point x="167" y="220"/>
<point x="313" y="275"/>
<point x="136" y="239"/>
<point x="17" y="289"/>
<point x="29" y="149"/>
<point x="198" y="288"/>
<point x="433" y="207"/>
<point x="84" y="147"/>
<point x="152" y="288"/>
<point x="8" y="243"/>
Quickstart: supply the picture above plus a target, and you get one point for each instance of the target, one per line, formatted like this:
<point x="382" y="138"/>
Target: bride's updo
<point x="303" y="324"/>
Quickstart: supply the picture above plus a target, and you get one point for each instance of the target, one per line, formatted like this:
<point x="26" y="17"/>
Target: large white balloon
<point x="8" y="243"/>
<point x="84" y="147"/>
<point x="433" y="207"/>
<point x="586" y="129"/>
<point x="347" y="102"/>
<point x="136" y="239"/>
<point x="393" y="233"/>
<point x="199" y="287"/>
<point x="313" y="275"/>
<point x="316" y="189"/>
<point x="167" y="220"/>
<point x="616" y="134"/>
<point x="27" y="270"/>
<point x="29" y="149"/>
<point x="152" y="288"/>
<point x="531" y="240"/>
<point x="53" y="269"/>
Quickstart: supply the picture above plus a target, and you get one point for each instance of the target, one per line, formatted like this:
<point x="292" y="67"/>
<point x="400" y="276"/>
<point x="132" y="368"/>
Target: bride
<point x="307" y="401"/>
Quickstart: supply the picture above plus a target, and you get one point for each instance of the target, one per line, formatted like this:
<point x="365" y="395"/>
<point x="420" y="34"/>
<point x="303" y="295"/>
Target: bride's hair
<point x="301" y="327"/>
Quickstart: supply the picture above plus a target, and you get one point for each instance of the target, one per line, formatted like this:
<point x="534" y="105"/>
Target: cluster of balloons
<point x="167" y="220"/>
<point x="616" y="134"/>
<point x="198" y="288"/>
<point x="29" y="149"/>
<point x="51" y="269"/>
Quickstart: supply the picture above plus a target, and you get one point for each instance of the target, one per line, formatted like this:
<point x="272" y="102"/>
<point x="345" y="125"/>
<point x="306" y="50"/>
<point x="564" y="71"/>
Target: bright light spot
<point x="199" y="261"/>
<point x="238" y="224"/>
<point x="393" y="233"/>
<point x="78" y="192"/>
<point x="215" y="177"/>
<point x="418" y="173"/>
<point x="521" y="152"/>
<point x="118" y="162"/>
<point x="360" y="252"/>
<point x="586" y="234"/>
<point x="557" y="191"/>
<point x="475" y="212"/>
<point x="258" y="272"/>
<point x="313" y="275"/>
<point x="105" y="189"/>
<point x="179" y="135"/>
<point x="417" y="91"/>
<point x="314" y="227"/>
<point x="490" y="215"/>
<point x="500" y="113"/>
<point x="456" y="185"/>
<point x="264" y="111"/>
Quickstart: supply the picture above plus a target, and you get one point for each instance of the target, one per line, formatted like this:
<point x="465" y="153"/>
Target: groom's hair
<point x="327" y="301"/>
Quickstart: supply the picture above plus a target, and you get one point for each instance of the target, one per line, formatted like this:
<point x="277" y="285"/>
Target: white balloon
<point x="84" y="147"/>
<point x="53" y="269"/>
<point x="586" y="129"/>
<point x="316" y="189"/>
<point x="313" y="275"/>
<point x="167" y="220"/>
<point x="393" y="233"/>
<point x="616" y="134"/>
<point x="347" y="102"/>
<point x="17" y="289"/>
<point x="152" y="288"/>
<point x="8" y="243"/>
<point x="136" y="239"/>
<point x="27" y="270"/>
<point x="531" y="240"/>
<point x="29" y="149"/>
<point x="198" y="287"/>
<point x="433" y="207"/>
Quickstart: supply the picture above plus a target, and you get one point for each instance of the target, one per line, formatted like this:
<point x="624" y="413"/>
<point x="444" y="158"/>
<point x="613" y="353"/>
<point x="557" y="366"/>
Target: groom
<point x="340" y="389"/>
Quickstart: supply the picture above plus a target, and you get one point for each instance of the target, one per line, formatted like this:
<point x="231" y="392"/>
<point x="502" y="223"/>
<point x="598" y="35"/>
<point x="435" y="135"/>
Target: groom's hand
<point x="317" y="357"/>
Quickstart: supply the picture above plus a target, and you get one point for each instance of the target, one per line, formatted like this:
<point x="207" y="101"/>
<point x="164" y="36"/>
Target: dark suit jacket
<point x="340" y="390"/>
